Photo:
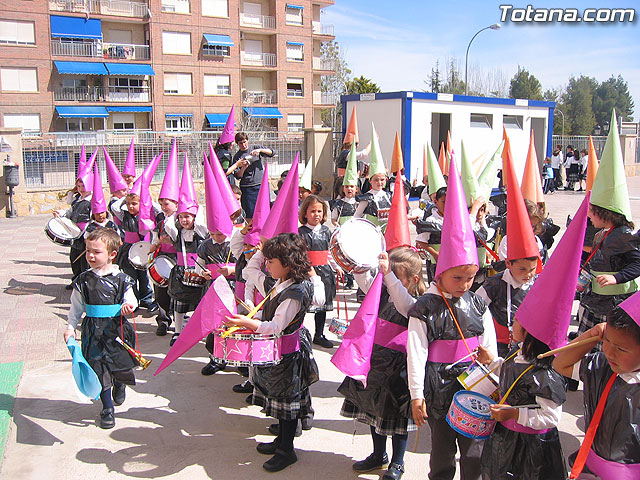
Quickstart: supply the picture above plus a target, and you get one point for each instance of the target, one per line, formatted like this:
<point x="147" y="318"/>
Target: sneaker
<point x="394" y="472"/>
<point x="280" y="461"/>
<point x="212" y="367"/>
<point x="306" y="422"/>
<point x="322" y="341"/>
<point x="118" y="394"/>
<point x="174" y="337"/>
<point x="244" y="387"/>
<point x="107" y="419"/>
<point x="163" y="328"/>
<point x="371" y="463"/>
<point x="151" y="307"/>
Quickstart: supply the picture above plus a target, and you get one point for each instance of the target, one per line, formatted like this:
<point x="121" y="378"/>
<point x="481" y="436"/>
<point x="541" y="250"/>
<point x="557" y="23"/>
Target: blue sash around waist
<point x="103" y="311"/>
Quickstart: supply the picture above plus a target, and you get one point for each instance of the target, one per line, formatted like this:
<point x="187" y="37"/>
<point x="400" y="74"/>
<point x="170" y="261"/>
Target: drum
<point x="62" y="231"/>
<point x="247" y="349"/>
<point x="422" y="249"/>
<point x="160" y="270"/>
<point x="470" y="415"/>
<point x="191" y="279"/>
<point x="477" y="378"/>
<point x="338" y="327"/>
<point x="383" y="214"/>
<point x="584" y="279"/>
<point x="139" y="256"/>
<point x="356" y="244"/>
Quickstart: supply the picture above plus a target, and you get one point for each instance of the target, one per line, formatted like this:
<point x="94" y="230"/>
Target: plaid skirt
<point x="291" y="408"/>
<point x="587" y="319"/>
<point x="182" y="307"/>
<point x="383" y="426"/>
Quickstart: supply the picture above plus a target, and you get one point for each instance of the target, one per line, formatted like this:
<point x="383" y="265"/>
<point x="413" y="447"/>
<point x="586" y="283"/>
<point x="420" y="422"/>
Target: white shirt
<point x="509" y="280"/>
<point x="631" y="377"/>
<point x="556" y="160"/>
<point x="398" y="294"/>
<point x="436" y="218"/>
<point x="418" y="346"/>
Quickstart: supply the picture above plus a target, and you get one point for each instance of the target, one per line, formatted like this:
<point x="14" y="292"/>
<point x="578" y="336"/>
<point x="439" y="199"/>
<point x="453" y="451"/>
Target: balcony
<point x="120" y="8"/>
<point x="129" y="94"/>
<point x="325" y="64"/>
<point x="322" y="29"/>
<point x="257" y="21"/>
<point x="102" y="94"/>
<point x="325" y="98"/>
<point x="265" y="97"/>
<point x="75" y="48"/>
<point x="258" y="59"/>
<point x="125" y="51"/>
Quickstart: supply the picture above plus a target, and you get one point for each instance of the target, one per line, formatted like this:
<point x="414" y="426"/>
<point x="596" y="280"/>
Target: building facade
<point x="162" y="65"/>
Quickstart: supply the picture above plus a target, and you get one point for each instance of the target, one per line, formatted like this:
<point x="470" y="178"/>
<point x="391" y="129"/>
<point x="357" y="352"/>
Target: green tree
<point x="434" y="82"/>
<point x="361" y="85"/>
<point x="610" y="94"/>
<point x="579" y="105"/>
<point x="525" y="85"/>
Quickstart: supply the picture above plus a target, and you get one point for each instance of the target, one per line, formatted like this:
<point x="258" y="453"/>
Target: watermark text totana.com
<point x="566" y="15"/>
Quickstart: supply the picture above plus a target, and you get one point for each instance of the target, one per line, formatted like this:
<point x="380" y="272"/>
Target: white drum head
<point x="361" y="241"/>
<point x="139" y="254"/>
<point x="64" y="228"/>
<point x="163" y="266"/>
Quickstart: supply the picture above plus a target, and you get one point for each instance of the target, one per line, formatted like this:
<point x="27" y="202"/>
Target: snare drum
<point x="247" y="349"/>
<point x="470" y="415"/>
<point x="477" y="378"/>
<point x="356" y="244"/>
<point x="383" y="214"/>
<point x="160" y="270"/>
<point x="338" y="327"/>
<point x="191" y="279"/>
<point x="584" y="279"/>
<point x="139" y="256"/>
<point x="62" y="231"/>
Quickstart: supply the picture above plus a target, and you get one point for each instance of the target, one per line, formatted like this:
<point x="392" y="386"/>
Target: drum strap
<point x="593" y="252"/>
<point x="489" y="249"/>
<point x="135" y="331"/>
<point x="583" y="453"/>
<point x="504" y="398"/>
<point x="455" y="321"/>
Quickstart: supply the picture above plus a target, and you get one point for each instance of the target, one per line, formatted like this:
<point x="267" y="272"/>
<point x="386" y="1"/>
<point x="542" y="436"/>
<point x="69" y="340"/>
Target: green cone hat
<point x="487" y="177"/>
<point x="305" y="179"/>
<point x="376" y="162"/>
<point x="469" y="180"/>
<point x="351" y="172"/>
<point x="436" y="179"/>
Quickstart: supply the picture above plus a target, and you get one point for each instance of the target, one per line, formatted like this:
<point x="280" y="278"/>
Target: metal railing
<point x="322" y="29"/>
<point x="267" y="97"/>
<point x="579" y="142"/>
<point x="50" y="161"/>
<point x="75" y="48"/>
<point x="258" y="59"/>
<point x="120" y="8"/>
<point x="320" y="63"/>
<point x="325" y="98"/>
<point x="125" y="51"/>
<point x="81" y="94"/>
<point x="129" y="94"/>
<point x="257" y="21"/>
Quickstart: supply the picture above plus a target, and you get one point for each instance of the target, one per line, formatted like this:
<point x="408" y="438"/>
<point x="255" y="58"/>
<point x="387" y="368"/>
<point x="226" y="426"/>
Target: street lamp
<point x="560" y="111"/>
<point x="495" y="26"/>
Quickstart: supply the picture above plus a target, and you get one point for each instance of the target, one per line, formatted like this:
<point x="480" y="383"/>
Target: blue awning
<point x="136" y="109"/>
<point x="129" y="69"/>
<point x="178" y="114"/>
<point x="217" y="119"/>
<point x="223" y="40"/>
<point x="263" y="112"/>
<point x="82" y="112"/>
<point x="75" y="27"/>
<point x="299" y="7"/>
<point x="295" y="43"/>
<point x="81" y="68"/>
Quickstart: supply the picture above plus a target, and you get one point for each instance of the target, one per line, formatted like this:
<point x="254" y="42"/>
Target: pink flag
<point x="146" y="220"/>
<point x="217" y="303"/>
<point x="218" y="218"/>
<point x="226" y="194"/>
<point x="353" y="357"/>
<point x="283" y="217"/>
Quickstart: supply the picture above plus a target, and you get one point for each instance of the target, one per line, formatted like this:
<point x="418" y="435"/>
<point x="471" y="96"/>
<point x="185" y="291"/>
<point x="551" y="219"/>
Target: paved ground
<point x="179" y="424"/>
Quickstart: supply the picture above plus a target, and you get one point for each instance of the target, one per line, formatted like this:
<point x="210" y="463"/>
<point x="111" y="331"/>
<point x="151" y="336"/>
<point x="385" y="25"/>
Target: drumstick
<point x="199" y="264"/>
<point x="80" y="256"/>
<point x="529" y="405"/>
<point x="448" y="367"/>
<point x="242" y="303"/>
<point x="569" y="346"/>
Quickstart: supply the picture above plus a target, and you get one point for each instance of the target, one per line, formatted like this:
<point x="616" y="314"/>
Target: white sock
<point x="179" y="317"/>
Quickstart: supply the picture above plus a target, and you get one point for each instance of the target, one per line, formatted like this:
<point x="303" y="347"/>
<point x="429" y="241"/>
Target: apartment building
<point x="174" y="65"/>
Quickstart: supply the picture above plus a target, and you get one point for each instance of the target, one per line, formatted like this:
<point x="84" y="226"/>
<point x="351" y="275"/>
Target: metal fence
<point x="581" y="142"/>
<point x="51" y="161"/>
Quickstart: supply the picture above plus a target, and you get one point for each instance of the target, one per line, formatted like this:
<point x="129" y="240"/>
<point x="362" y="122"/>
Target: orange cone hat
<point x="397" y="233"/>
<point x="531" y="183"/>
<point x="592" y="166"/>
<point x="442" y="161"/>
<point x="351" y="135"/>
<point x="397" y="163"/>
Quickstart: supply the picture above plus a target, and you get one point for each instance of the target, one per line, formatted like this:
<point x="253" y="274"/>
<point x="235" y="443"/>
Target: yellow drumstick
<point x="230" y="331"/>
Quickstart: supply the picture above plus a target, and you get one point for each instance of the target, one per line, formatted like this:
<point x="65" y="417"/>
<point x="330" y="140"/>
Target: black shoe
<point x="162" y="329"/>
<point x="212" y="367"/>
<point x="151" y="307"/>
<point x="306" y="423"/>
<point x="371" y="463"/>
<point x="174" y="337"/>
<point x="244" y="371"/>
<point x="267" y="448"/>
<point x="244" y="387"/>
<point x="274" y="429"/>
<point x="118" y="394"/>
<point x="280" y="461"/>
<point x="394" y="472"/>
<point x="322" y="341"/>
<point x="107" y="420"/>
<point x="249" y="399"/>
<point x="69" y="287"/>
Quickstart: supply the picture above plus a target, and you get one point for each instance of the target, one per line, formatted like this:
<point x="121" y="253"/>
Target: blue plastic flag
<point x="85" y="377"/>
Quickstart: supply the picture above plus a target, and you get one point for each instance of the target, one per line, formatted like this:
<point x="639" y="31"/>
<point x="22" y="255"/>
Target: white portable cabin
<point x="421" y="118"/>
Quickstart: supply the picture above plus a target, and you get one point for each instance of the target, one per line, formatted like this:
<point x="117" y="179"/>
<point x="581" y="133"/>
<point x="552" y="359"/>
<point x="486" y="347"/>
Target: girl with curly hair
<point x="283" y="389"/>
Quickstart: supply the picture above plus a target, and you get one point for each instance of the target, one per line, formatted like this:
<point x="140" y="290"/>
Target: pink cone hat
<point x="458" y="240"/>
<point x="187" y="202"/>
<point x="171" y="183"/>
<point x="116" y="182"/>
<point x="283" y="217"/>
<point x="98" y="204"/>
<point x="218" y="217"/>
<point x="146" y="220"/>
<point x="150" y="170"/>
<point x="226" y="194"/>
<point x="228" y="133"/>
<point x="261" y="211"/>
<point x="130" y="163"/>
<point x="546" y="310"/>
<point x="632" y="306"/>
<point x="82" y="163"/>
<point x="353" y="357"/>
<point x="87" y="176"/>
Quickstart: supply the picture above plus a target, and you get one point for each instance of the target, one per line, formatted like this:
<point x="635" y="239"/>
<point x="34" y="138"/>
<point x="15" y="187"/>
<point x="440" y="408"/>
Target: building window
<point x="295" y="87"/>
<point x="215" y="8"/>
<point x="177" y="84"/>
<point x="124" y="121"/>
<point x="125" y="82"/>
<point x="182" y="123"/>
<point x="481" y="120"/>
<point x="216" y="50"/>
<point x="295" y="52"/>
<point x="29" y="122"/>
<point x="80" y="124"/>
<point x="293" y="14"/>
<point x="13" y="32"/>
<point x="512" y="121"/>
<point x="295" y="122"/>
<point x="175" y="6"/>
<point x="176" y="43"/>
<point x="19" y="79"/>
<point x="217" y="85"/>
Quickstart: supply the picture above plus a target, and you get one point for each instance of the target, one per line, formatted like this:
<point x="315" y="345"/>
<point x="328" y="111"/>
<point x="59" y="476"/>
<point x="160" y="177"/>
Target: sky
<point x="396" y="43"/>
